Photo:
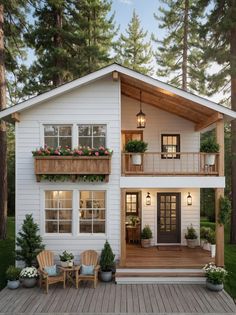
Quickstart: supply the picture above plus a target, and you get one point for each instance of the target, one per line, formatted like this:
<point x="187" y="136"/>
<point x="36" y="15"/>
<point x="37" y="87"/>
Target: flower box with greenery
<point x="66" y="259"/>
<point x="191" y="237"/>
<point x="215" y="277"/>
<point x="146" y="236"/>
<point x="211" y="147"/>
<point x="136" y="146"/>
<point x="13" y="275"/>
<point x="107" y="263"/>
<point x="74" y="162"/>
<point x="29" y="276"/>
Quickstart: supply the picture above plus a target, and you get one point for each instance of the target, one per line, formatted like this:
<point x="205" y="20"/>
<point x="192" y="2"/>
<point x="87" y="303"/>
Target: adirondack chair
<point x="46" y="259"/>
<point x="88" y="258"/>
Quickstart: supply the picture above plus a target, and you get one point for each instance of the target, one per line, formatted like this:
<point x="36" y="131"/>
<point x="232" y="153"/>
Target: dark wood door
<point x="168" y="218"/>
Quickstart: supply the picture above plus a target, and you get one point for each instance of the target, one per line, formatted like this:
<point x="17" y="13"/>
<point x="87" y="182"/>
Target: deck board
<point x="109" y="298"/>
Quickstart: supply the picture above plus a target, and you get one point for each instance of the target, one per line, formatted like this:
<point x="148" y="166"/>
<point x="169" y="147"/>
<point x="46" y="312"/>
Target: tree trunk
<point x="233" y="131"/>
<point x="57" y="77"/>
<point x="185" y="46"/>
<point x="3" y="135"/>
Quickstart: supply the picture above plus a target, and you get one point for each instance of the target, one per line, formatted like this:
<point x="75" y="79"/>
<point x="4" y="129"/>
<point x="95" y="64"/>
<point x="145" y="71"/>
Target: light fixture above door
<point x="141" y="117"/>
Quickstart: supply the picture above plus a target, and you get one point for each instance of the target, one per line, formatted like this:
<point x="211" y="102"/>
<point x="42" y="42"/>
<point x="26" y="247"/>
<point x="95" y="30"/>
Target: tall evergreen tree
<point x="220" y="33"/>
<point x="132" y="49"/>
<point x="179" y="54"/>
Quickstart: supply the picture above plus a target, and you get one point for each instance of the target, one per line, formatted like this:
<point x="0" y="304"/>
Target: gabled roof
<point x="184" y="104"/>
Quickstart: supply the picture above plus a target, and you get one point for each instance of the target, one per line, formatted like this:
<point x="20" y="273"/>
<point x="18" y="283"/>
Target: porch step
<point x="168" y="276"/>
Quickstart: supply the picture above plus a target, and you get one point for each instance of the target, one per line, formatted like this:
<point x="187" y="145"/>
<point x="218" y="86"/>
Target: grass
<point x="230" y="259"/>
<point x="7" y="251"/>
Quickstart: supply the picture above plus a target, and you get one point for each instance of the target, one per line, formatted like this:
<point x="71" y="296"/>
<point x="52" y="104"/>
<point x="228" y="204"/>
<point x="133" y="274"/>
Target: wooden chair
<point x="46" y="259"/>
<point x="88" y="258"/>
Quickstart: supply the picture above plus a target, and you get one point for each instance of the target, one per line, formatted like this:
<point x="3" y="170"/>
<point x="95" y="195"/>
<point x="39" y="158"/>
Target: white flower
<point x="29" y="272"/>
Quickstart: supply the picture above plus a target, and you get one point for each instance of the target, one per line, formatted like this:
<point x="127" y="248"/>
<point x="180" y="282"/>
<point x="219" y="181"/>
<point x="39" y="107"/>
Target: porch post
<point x="122" y="229"/>
<point x="218" y="193"/>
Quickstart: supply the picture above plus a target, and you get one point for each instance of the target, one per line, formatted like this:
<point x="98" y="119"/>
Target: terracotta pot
<point x="146" y="242"/>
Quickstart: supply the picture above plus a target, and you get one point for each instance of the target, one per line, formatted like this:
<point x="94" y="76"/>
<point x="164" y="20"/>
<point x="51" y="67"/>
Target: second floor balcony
<point x="170" y="164"/>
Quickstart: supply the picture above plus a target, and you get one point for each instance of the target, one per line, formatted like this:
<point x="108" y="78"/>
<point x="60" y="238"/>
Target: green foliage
<point x="209" y="145"/>
<point x="191" y="233"/>
<point x="204" y="232"/>
<point x="13" y="273"/>
<point x="146" y="233"/>
<point x="132" y="50"/>
<point x="136" y="146"/>
<point x="225" y="210"/>
<point x="11" y="169"/>
<point x="215" y="275"/>
<point x="29" y="241"/>
<point x="80" y="178"/>
<point x="107" y="258"/>
<point x="211" y="237"/>
<point x="66" y="256"/>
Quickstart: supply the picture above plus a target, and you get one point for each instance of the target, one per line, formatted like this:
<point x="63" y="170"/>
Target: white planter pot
<point x="202" y="242"/>
<point x="136" y="159"/>
<point x="13" y="284"/>
<point x="64" y="264"/>
<point x="213" y="250"/>
<point x="207" y="246"/>
<point x="210" y="159"/>
<point x="214" y="287"/>
<point x="191" y="243"/>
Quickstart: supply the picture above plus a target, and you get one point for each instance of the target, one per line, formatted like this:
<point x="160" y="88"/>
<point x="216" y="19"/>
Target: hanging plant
<point x="225" y="210"/>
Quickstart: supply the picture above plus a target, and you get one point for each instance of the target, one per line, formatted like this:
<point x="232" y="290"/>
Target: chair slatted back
<point x="89" y="257"/>
<point x="45" y="258"/>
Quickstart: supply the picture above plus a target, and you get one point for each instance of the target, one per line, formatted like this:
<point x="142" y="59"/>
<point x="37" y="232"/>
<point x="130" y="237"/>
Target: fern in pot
<point x="136" y="147"/>
<point x="107" y="262"/>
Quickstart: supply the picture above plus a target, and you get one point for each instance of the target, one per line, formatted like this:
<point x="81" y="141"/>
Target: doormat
<point x="169" y="248"/>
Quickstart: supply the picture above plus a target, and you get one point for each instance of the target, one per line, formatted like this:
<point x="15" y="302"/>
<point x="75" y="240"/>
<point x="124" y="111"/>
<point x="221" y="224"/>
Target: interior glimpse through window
<point x="92" y="213"/>
<point x="56" y="135"/>
<point x="93" y="136"/>
<point x="170" y="144"/>
<point x="58" y="211"/>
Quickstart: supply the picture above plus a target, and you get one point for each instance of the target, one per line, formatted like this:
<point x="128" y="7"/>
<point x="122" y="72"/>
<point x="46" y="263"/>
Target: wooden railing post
<point x="218" y="193"/>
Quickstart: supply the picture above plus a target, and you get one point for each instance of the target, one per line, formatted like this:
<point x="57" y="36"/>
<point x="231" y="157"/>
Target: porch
<point x="116" y="299"/>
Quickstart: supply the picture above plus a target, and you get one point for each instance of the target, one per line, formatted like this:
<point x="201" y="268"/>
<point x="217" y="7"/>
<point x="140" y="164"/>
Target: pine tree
<point x="220" y="33"/>
<point x="29" y="241"/>
<point x="107" y="258"/>
<point x="132" y="50"/>
<point x="179" y="54"/>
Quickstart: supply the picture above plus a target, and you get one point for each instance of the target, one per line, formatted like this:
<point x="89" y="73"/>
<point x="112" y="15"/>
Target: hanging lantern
<point x="141" y="117"/>
<point x="189" y="199"/>
<point x="148" y="199"/>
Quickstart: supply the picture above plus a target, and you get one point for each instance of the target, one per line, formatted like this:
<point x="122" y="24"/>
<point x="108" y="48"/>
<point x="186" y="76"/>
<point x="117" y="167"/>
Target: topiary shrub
<point x="107" y="258"/>
<point x="209" y="145"/>
<point x="146" y="233"/>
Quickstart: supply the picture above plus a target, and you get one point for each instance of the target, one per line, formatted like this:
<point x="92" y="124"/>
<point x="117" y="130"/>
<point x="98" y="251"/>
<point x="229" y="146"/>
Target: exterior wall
<point x="98" y="102"/>
<point x="189" y="214"/>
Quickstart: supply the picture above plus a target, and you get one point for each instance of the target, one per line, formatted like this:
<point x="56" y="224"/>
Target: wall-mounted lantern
<point x="189" y="199"/>
<point x="148" y="199"/>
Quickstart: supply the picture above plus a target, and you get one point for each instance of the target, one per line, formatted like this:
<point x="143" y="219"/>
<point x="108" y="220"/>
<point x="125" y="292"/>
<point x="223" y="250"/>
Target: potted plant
<point x="29" y="276"/>
<point x="215" y="277"/>
<point x="136" y="146"/>
<point x="13" y="275"/>
<point x="210" y="146"/>
<point x="66" y="259"/>
<point x="107" y="262"/>
<point x="146" y="236"/>
<point x="211" y="237"/>
<point x="204" y="232"/>
<point x="191" y="237"/>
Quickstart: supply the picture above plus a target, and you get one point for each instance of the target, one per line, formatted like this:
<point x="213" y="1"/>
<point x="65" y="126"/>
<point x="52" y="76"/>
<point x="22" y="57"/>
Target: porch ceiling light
<point x="141" y="117"/>
<point x="148" y="199"/>
<point x="189" y="199"/>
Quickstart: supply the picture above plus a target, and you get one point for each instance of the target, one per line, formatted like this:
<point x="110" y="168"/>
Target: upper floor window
<point x="58" y="135"/>
<point x="92" y="215"/>
<point x="170" y="143"/>
<point x="58" y="211"/>
<point x="93" y="136"/>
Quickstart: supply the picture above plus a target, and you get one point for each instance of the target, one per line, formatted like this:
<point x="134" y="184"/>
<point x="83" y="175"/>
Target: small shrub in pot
<point x="107" y="262"/>
<point x="146" y="236"/>
<point x="13" y="275"/>
<point x="136" y="146"/>
<point x="66" y="259"/>
<point x="191" y="237"/>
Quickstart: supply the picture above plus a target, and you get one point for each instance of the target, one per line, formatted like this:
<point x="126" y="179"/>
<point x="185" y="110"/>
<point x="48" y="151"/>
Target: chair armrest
<point x="97" y="268"/>
<point x="42" y="272"/>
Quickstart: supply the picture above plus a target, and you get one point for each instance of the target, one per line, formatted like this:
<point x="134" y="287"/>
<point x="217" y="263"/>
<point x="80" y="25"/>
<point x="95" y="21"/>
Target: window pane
<point x="85" y="142"/>
<point x="85" y="130"/>
<point x="64" y="131"/>
<point x="99" y="130"/>
<point x="51" y="141"/>
<point x="64" y="227"/>
<point x="97" y="142"/>
<point x="50" y="130"/>
<point x="51" y="227"/>
<point x="99" y="195"/>
<point x="65" y="215"/>
<point x="51" y="214"/>
<point x="85" y="226"/>
<point x="65" y="142"/>
<point x="49" y="204"/>
<point x="98" y="227"/>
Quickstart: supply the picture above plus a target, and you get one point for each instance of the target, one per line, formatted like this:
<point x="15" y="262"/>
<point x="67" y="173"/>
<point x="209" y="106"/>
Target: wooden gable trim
<point x="209" y="121"/>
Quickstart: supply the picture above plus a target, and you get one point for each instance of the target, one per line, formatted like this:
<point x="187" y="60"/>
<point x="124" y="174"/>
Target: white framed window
<point x="92" y="212"/>
<point x="58" y="135"/>
<point x="58" y="211"/>
<point x="92" y="135"/>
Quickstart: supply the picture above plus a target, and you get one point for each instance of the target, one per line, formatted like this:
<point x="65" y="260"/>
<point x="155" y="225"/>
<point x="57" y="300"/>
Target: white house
<point x="100" y="109"/>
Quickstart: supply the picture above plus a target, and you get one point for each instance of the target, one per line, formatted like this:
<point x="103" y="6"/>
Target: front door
<point x="168" y="218"/>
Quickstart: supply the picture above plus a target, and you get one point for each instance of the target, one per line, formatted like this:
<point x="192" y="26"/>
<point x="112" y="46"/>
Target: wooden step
<point x="161" y="274"/>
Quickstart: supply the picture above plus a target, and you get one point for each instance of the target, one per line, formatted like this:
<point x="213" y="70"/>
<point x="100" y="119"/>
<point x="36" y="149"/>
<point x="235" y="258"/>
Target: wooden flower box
<point x="72" y="165"/>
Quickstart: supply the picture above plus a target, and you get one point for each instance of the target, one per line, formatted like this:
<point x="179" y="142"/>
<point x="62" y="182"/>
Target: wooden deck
<point x="153" y="257"/>
<point x="116" y="299"/>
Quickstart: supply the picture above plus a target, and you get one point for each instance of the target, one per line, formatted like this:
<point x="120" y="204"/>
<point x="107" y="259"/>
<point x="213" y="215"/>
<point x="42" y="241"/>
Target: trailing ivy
<point x="225" y="210"/>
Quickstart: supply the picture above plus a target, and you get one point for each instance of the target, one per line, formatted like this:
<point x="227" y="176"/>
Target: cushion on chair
<point x="51" y="270"/>
<point x="87" y="270"/>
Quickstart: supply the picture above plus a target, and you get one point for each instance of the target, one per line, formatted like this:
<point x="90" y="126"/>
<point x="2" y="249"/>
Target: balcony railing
<point x="163" y="163"/>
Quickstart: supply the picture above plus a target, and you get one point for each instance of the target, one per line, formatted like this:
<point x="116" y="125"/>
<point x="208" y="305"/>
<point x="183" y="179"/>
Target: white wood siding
<point x="98" y="102"/>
